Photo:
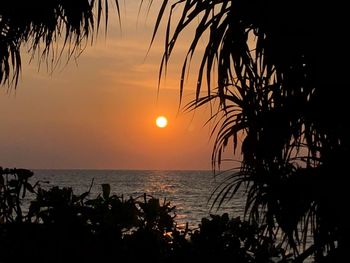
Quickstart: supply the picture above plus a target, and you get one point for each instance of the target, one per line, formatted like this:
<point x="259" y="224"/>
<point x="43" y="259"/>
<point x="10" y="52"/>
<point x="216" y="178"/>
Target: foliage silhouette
<point x="60" y="226"/>
<point x="274" y="63"/>
<point x="41" y="24"/>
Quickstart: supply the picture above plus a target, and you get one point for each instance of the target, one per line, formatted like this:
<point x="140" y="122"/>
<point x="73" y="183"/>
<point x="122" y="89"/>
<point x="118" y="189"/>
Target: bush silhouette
<point x="60" y="226"/>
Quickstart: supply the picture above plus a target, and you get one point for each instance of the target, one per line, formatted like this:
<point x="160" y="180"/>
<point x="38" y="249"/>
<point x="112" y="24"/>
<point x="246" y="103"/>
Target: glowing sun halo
<point x="161" y="122"/>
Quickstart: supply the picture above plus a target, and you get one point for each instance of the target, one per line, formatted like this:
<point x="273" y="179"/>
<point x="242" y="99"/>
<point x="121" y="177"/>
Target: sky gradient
<point x="99" y="111"/>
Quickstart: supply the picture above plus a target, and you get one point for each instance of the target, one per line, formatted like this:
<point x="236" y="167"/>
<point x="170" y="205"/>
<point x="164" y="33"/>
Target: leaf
<point x="106" y="190"/>
<point x="159" y="18"/>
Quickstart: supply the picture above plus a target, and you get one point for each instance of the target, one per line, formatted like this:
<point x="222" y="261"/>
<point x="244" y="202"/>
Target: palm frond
<point x="40" y="25"/>
<point x="271" y="85"/>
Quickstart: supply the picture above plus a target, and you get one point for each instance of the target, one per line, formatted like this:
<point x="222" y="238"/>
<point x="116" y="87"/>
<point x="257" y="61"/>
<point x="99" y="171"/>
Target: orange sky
<point x="98" y="112"/>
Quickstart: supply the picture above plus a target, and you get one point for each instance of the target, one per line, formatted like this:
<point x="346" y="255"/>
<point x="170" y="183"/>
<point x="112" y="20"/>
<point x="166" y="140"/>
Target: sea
<point x="191" y="192"/>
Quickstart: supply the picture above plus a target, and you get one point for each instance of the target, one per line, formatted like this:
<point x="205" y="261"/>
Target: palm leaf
<point x="40" y="25"/>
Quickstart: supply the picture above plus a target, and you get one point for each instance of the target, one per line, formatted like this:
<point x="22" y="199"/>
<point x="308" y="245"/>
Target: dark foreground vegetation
<point x="60" y="226"/>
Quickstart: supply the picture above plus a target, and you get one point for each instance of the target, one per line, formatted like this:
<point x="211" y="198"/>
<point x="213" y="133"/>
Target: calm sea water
<point x="189" y="191"/>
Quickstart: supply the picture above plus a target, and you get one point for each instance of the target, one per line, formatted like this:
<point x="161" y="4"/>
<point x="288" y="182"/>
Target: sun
<point x="161" y="122"/>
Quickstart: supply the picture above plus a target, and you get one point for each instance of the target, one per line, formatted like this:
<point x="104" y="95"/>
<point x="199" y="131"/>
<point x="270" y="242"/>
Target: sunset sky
<point x="99" y="111"/>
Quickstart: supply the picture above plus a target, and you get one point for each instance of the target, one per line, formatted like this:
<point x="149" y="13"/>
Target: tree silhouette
<point x="40" y="24"/>
<point x="280" y="89"/>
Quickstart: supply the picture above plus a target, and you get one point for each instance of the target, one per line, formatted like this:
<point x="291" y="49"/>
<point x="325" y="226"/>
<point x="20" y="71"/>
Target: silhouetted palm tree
<point x="41" y="24"/>
<point x="280" y="87"/>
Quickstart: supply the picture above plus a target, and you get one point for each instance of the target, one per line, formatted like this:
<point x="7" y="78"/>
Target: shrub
<point x="61" y="226"/>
